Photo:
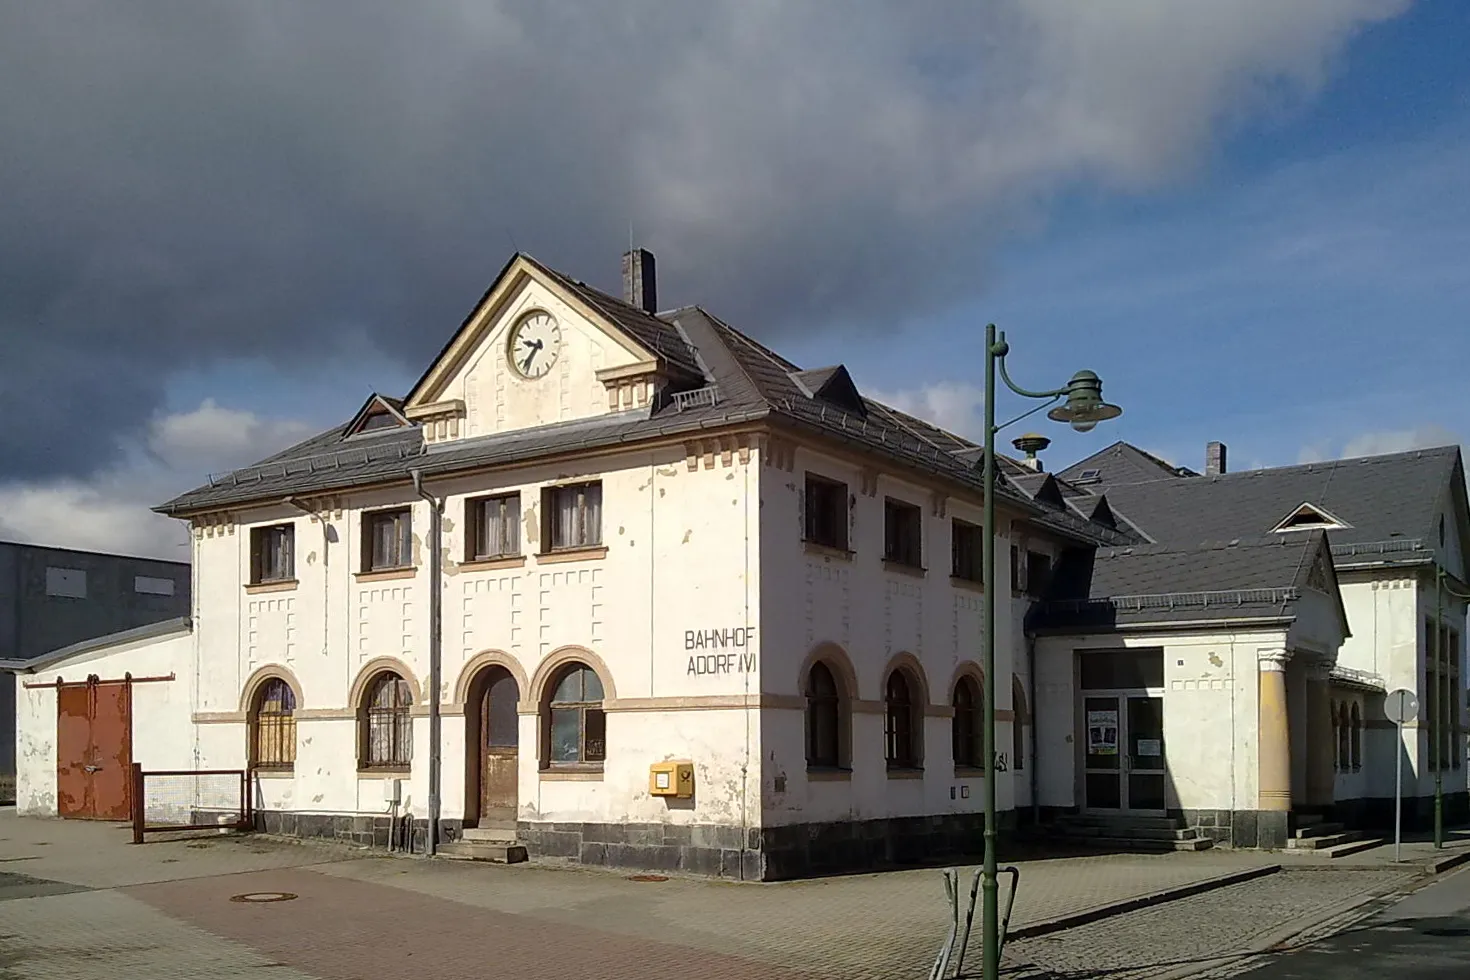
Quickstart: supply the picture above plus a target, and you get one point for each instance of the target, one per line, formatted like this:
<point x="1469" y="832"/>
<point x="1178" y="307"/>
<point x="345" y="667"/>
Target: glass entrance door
<point x="1123" y="768"/>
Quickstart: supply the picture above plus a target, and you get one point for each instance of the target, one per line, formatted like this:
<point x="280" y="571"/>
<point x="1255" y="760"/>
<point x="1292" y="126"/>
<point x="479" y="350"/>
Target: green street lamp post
<point x="1083" y="409"/>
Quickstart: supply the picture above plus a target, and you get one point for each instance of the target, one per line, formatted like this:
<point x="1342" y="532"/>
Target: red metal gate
<point x="94" y="749"/>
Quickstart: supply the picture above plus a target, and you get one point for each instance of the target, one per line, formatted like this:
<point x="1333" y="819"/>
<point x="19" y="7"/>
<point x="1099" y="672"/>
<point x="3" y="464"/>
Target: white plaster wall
<point x="873" y="614"/>
<point x="162" y="737"/>
<point x="1210" y="714"/>
<point x="681" y="557"/>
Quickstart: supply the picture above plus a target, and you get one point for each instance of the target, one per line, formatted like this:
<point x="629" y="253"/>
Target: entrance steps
<point x="494" y="844"/>
<point x="1313" y="833"/>
<point x="1129" y="833"/>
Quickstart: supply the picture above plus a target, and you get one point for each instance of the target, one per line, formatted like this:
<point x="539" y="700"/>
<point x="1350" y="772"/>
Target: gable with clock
<point x="538" y="350"/>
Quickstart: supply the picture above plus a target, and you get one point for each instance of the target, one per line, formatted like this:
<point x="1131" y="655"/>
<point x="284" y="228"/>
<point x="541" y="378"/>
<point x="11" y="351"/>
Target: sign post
<point x="1401" y="707"/>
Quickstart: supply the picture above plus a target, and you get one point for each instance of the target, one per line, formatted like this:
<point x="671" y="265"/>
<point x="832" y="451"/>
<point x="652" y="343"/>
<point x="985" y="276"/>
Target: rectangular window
<point x="66" y="583"/>
<point x="967" y="551"/>
<point x="147" y="585"/>
<point x="387" y="539"/>
<point x="1038" y="573"/>
<point x="826" y="512"/>
<point x="493" y="527"/>
<point x="903" y="533"/>
<point x="272" y="554"/>
<point x="573" y="516"/>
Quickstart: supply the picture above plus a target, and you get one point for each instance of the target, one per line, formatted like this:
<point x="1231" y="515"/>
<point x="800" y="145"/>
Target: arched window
<point x="823" y="718"/>
<point x="903" y="727"/>
<point x="387" y="735"/>
<point x="273" y="726"/>
<point x="1018" y="726"/>
<point x="575" y="723"/>
<point x="1356" y="744"/>
<point x="968" y="752"/>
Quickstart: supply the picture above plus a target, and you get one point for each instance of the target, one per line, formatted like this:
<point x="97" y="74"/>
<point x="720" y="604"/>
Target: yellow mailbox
<point x="671" y="779"/>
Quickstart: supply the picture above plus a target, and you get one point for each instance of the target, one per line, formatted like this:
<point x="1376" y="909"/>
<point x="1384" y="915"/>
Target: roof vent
<point x="1310" y="517"/>
<point x="1031" y="443"/>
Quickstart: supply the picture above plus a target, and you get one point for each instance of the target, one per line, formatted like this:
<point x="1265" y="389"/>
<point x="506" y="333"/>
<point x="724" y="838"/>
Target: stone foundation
<point x="712" y="850"/>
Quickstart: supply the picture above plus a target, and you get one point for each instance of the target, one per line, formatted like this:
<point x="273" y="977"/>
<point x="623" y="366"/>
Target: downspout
<point x="1035" y="718"/>
<point x="321" y="518"/>
<point x="436" y="521"/>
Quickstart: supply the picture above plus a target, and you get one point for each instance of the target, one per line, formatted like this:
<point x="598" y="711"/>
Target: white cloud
<point x="110" y="511"/>
<point x="952" y="405"/>
<point x="1379" y="443"/>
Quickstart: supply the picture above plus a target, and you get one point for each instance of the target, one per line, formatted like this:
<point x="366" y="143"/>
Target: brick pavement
<point x="383" y="916"/>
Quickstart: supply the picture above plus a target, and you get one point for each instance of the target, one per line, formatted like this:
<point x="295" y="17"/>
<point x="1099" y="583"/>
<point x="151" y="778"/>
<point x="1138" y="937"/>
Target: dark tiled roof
<point x="1262" y="577"/>
<point x="1390" y="502"/>
<point x="1123" y="463"/>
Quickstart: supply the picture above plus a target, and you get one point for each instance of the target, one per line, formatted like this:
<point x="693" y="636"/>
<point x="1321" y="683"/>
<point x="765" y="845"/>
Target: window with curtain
<point x="494" y="527"/>
<point x="1018" y="725"/>
<point x="573" y="516"/>
<point x="968" y="752"/>
<point x="271" y="554"/>
<point x="387" y="734"/>
<point x="387" y="539"/>
<point x="575" y="722"/>
<point x="823" y="718"/>
<point x="273" y="726"/>
<point x="901" y="736"/>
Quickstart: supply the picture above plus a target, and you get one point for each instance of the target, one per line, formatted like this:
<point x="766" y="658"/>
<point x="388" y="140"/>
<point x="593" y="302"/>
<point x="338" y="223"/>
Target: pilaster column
<point x="1273" y="731"/>
<point x="1321" y="779"/>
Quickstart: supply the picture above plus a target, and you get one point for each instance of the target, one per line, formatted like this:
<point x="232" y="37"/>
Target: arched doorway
<point x="492" y="737"/>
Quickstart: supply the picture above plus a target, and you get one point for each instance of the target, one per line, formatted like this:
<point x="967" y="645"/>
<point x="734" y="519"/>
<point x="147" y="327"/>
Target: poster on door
<point x="1102" y="732"/>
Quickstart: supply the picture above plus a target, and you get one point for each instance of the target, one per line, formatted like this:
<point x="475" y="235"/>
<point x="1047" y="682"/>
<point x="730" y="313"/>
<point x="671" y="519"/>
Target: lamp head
<point x="1084" y="407"/>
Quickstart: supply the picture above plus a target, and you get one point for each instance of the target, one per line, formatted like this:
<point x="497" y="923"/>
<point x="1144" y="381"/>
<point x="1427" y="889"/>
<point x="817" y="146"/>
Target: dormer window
<point x="1310" y="517"/>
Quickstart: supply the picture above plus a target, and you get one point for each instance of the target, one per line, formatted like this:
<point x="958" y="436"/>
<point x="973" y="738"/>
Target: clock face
<point x="534" y="344"/>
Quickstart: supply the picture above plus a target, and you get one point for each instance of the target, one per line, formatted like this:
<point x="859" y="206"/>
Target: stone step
<point x="1350" y="848"/>
<point x="1134" y="833"/>
<point x="497" y="853"/>
<point x="1148" y="845"/>
<point x="502" y="835"/>
<point x="1324" y="841"/>
<point x="1318" y="830"/>
<point x="1127" y="822"/>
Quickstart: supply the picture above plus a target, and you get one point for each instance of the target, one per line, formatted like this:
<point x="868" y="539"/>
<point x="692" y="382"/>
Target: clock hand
<point x="530" y="357"/>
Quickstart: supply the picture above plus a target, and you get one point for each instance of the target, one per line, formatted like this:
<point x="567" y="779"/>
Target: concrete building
<point x="53" y="597"/>
<point x="704" y="610"/>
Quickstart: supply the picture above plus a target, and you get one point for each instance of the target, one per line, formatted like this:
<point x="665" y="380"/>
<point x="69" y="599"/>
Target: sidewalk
<point x="163" y="909"/>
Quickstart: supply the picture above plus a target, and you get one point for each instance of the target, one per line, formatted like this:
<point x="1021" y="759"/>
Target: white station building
<point x="705" y="611"/>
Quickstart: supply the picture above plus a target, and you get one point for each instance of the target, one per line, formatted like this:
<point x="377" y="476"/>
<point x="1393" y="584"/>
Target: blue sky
<point x="1251" y="218"/>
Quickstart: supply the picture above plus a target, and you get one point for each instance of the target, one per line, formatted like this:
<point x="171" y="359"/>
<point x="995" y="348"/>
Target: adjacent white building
<point x="702" y="610"/>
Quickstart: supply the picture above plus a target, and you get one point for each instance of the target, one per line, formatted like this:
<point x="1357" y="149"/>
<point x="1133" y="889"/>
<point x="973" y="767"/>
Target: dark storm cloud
<point x="184" y="182"/>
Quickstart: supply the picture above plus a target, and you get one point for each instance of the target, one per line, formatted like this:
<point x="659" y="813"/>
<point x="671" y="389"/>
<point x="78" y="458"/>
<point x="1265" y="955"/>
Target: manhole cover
<point x="1447" y="932"/>
<point x="648" y="877"/>
<point x="263" y="897"/>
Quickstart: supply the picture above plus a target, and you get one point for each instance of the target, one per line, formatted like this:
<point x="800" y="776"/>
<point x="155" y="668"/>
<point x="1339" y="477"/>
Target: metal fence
<point x="185" y="799"/>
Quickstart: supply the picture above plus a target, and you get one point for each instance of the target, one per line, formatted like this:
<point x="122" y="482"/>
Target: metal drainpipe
<point x="1035" y="710"/>
<point x="436" y="515"/>
<point x="321" y="518"/>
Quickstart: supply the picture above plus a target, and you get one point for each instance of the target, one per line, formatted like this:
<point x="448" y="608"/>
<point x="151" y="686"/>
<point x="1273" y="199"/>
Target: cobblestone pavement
<point x="80" y="902"/>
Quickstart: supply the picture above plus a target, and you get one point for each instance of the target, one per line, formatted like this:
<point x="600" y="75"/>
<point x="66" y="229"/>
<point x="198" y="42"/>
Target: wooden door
<point x="499" y="753"/>
<point x="94" y="749"/>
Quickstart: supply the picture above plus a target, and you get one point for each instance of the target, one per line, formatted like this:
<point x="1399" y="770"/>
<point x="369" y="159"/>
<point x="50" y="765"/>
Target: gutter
<point x="1159" y="627"/>
<point x="321" y="517"/>
<point x="436" y="656"/>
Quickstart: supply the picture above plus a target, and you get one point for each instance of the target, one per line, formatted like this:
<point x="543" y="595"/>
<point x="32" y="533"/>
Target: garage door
<point x="94" y="749"/>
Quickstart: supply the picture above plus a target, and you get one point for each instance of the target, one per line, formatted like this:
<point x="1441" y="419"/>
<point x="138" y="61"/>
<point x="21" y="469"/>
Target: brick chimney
<point x="1215" y="459"/>
<point x="640" y="280"/>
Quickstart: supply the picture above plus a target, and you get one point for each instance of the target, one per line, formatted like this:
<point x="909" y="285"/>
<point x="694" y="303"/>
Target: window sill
<point x="572" y="554"/>
<point x="277" y="585"/>
<point x="386" y="574"/>
<point x="824" y="774"/>
<point x="968" y="772"/>
<point x="487" y="564"/>
<point x="904" y="568"/>
<point x="827" y="551"/>
<point x="571" y="775"/>
<point x="275" y="772"/>
<point x="906" y="772"/>
<point x="384" y="772"/>
<point x="960" y="582"/>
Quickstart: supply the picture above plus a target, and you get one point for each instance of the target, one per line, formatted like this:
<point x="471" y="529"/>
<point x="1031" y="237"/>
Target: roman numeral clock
<point x="535" y="342"/>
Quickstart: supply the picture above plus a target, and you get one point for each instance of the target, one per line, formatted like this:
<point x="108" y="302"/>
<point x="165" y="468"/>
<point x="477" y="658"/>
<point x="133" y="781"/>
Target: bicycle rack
<point x="958" y="939"/>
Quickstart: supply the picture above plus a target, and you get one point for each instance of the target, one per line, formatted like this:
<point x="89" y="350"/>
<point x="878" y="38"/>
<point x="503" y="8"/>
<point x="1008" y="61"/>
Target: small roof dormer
<point x="832" y="385"/>
<point x="378" y="414"/>
<point x="1310" y="517"/>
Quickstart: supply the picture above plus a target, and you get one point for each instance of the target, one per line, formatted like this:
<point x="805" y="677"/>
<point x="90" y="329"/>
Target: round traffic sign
<point x="1401" y="706"/>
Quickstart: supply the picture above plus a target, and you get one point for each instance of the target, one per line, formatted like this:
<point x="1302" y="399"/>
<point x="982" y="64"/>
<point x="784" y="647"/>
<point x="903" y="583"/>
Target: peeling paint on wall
<point x="531" y="527"/>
